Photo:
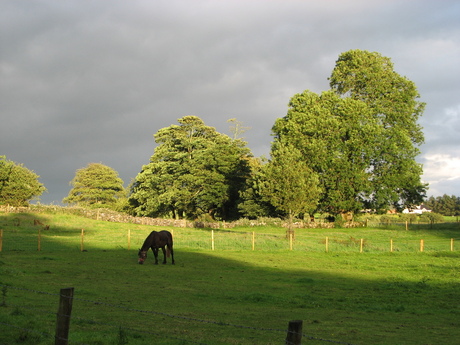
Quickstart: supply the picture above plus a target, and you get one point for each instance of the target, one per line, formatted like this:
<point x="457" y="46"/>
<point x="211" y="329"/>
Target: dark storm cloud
<point x="92" y="81"/>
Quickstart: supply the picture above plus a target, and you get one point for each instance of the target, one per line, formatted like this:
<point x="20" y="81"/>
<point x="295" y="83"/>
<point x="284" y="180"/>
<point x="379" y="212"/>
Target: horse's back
<point x="165" y="237"/>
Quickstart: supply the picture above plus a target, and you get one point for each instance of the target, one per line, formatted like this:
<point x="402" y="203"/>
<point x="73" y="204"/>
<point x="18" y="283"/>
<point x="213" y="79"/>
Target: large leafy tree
<point x="194" y="171"/>
<point x="361" y="137"/>
<point x="393" y="102"/>
<point x="335" y="136"/>
<point x="18" y="185"/>
<point x="96" y="185"/>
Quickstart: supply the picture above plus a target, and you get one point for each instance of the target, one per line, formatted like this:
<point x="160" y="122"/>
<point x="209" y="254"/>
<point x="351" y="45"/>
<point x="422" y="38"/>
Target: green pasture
<point x="351" y="294"/>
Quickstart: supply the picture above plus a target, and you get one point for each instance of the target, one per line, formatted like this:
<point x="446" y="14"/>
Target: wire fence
<point x="81" y="240"/>
<point x="93" y="320"/>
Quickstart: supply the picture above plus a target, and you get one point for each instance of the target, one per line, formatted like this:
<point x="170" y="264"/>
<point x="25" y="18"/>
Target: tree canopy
<point x="95" y="185"/>
<point x="194" y="171"/>
<point x="18" y="185"/>
<point x="289" y="184"/>
<point x="361" y="137"/>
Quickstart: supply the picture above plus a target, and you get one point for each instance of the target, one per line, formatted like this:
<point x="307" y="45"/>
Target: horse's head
<point x="142" y="254"/>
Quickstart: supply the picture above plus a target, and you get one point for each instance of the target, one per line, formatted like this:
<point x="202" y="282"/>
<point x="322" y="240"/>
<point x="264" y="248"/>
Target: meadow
<point x="358" y="292"/>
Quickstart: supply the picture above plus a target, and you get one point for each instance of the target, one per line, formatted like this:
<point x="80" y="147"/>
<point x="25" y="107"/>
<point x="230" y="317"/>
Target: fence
<point x="77" y="316"/>
<point x="47" y="240"/>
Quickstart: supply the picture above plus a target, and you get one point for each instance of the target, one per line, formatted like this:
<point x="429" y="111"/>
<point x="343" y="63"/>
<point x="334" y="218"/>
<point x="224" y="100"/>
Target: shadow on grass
<point x="234" y="296"/>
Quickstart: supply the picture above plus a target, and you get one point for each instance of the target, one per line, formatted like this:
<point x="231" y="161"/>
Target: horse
<point x="155" y="241"/>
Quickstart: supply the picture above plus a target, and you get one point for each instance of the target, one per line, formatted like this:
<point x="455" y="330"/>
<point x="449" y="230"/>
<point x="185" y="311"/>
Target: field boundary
<point x="69" y="299"/>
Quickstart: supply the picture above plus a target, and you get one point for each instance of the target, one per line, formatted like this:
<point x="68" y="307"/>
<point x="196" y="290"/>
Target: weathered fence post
<point x="327" y="244"/>
<point x="451" y="244"/>
<point x="82" y="240"/>
<point x="63" y="317"/>
<point x="422" y="245"/>
<point x="294" y="333"/>
<point x="212" y="239"/>
<point x="361" y="244"/>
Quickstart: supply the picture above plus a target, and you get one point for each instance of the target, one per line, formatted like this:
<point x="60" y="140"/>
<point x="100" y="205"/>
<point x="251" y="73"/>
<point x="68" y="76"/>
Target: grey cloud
<point x="85" y="82"/>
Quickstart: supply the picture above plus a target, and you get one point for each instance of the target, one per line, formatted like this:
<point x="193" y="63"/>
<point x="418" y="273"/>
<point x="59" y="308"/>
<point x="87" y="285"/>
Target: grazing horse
<point x="155" y="241"/>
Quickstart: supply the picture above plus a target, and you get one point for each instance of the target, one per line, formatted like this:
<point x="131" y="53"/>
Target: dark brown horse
<point x="155" y="241"/>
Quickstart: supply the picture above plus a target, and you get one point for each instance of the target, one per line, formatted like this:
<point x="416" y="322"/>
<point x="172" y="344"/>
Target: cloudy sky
<point x="92" y="81"/>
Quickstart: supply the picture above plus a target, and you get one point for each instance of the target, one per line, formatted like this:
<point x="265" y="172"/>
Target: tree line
<point x="349" y="148"/>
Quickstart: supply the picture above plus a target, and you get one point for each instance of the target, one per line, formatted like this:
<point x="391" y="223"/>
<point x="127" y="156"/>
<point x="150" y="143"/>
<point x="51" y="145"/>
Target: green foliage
<point x="194" y="171"/>
<point x="392" y="100"/>
<point x="18" y="185"/>
<point x="96" y="185"/>
<point x="335" y="136"/>
<point x="431" y="217"/>
<point x="361" y="138"/>
<point x="445" y="205"/>
<point x="289" y="184"/>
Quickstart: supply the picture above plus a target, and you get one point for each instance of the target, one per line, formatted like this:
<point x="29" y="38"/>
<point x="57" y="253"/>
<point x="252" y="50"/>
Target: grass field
<point x="233" y="294"/>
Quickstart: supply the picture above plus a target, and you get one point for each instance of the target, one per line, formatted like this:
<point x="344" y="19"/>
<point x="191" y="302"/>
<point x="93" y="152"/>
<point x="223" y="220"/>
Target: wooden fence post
<point x="422" y="245"/>
<point x="451" y="245"/>
<point x="327" y="244"/>
<point x="361" y="244"/>
<point x="391" y="245"/>
<point x="63" y="317"/>
<point x="82" y="239"/>
<point x="294" y="333"/>
<point x="212" y="239"/>
<point x="290" y="240"/>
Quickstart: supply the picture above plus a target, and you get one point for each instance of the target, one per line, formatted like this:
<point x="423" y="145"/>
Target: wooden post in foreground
<point x="451" y="245"/>
<point x="327" y="244"/>
<point x="294" y="333"/>
<point x="63" y="317"/>
<point x="422" y="245"/>
<point x="82" y="239"/>
<point x="129" y="239"/>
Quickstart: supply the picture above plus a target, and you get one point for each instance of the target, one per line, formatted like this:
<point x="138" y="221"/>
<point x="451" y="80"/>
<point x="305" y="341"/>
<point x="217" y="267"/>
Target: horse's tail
<point x="168" y="252"/>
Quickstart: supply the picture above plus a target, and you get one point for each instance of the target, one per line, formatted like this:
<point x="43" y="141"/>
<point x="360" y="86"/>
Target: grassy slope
<point x="351" y="297"/>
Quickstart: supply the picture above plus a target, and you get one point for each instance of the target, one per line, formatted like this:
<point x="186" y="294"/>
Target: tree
<point x="393" y="101"/>
<point x="445" y="205"/>
<point x="252" y="204"/>
<point x="96" y="185"/>
<point x="18" y="185"/>
<point x="194" y="172"/>
<point x="334" y="136"/>
<point x="290" y="185"/>
<point x="361" y="137"/>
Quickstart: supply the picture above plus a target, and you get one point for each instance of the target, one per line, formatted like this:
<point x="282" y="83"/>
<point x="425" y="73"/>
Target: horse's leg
<point x="155" y="253"/>
<point x="164" y="254"/>
<point x="172" y="253"/>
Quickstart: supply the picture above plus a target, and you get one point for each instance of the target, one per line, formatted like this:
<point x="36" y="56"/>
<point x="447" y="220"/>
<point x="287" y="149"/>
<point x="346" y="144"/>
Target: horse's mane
<point x="148" y="241"/>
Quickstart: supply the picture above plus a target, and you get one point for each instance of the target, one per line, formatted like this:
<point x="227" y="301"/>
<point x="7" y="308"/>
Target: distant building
<point x="417" y="210"/>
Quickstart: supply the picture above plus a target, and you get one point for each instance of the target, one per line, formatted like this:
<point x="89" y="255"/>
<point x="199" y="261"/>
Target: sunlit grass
<point x="373" y="297"/>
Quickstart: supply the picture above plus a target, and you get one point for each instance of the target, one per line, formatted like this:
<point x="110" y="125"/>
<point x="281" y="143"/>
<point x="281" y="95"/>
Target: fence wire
<point x="100" y="304"/>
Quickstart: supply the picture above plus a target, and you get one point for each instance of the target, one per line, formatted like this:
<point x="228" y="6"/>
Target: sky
<point x="92" y="81"/>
